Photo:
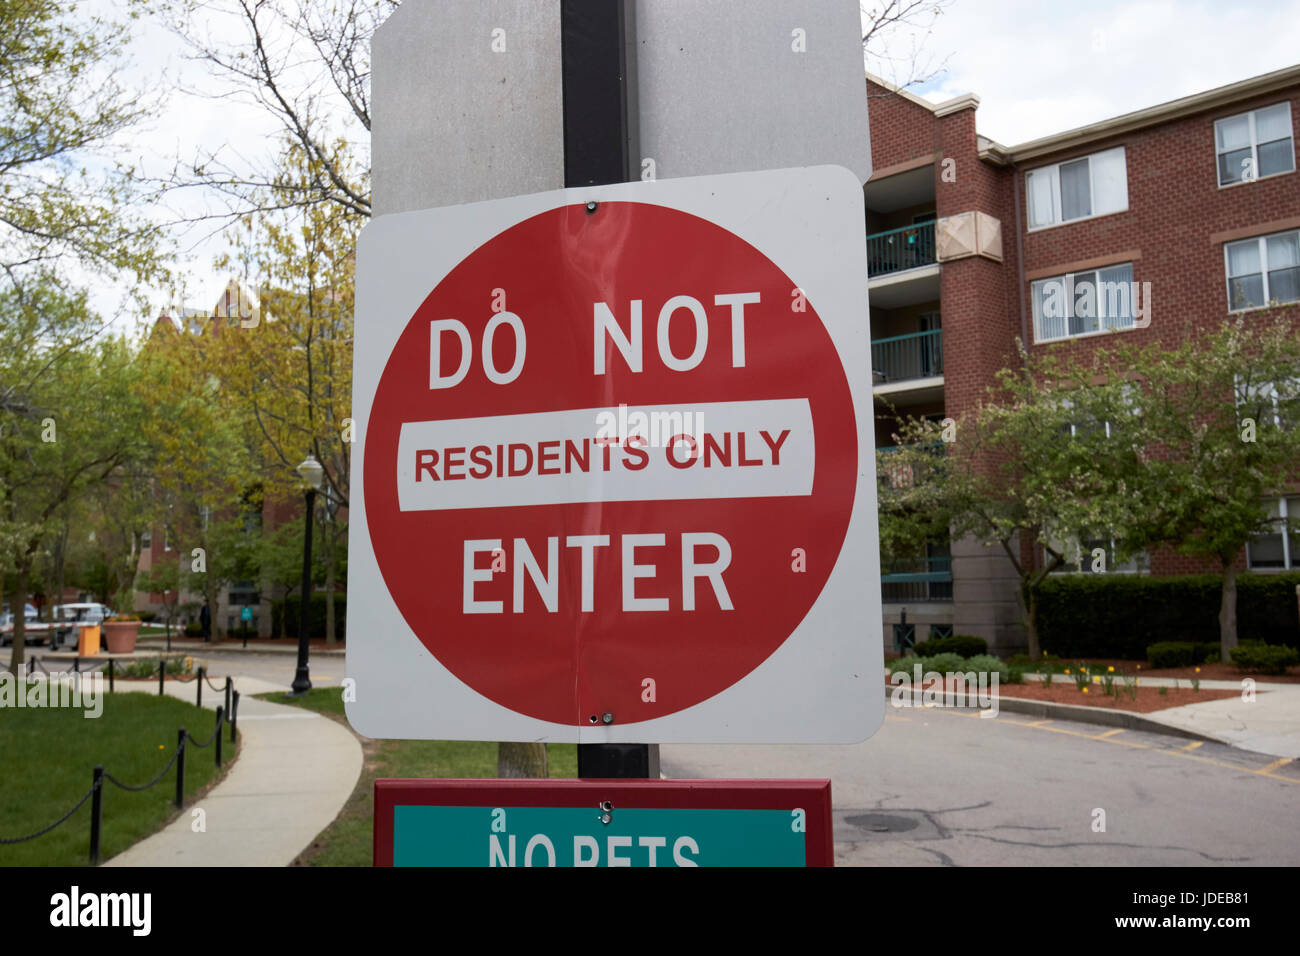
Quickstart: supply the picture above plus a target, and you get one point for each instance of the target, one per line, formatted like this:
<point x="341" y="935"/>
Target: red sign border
<point x="812" y="795"/>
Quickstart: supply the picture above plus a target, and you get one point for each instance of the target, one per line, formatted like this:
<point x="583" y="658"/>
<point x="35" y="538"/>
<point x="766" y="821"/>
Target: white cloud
<point x="1043" y="68"/>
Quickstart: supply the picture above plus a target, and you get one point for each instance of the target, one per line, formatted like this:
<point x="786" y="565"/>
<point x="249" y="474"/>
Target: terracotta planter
<point x="119" y="636"/>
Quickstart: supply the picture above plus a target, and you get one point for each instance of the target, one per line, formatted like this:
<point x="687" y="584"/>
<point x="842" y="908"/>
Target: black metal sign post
<point x="599" y="148"/>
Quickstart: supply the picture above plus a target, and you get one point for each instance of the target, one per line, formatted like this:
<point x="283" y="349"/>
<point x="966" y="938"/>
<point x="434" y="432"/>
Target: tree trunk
<point x="1228" y="610"/>
<point x="327" y="538"/>
<point x="521" y="760"/>
<point x="18" y="604"/>
<point x="1031" y="624"/>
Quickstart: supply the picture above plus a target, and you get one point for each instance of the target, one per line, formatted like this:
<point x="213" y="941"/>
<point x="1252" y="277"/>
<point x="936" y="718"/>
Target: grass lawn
<point x="347" y="841"/>
<point x="47" y="755"/>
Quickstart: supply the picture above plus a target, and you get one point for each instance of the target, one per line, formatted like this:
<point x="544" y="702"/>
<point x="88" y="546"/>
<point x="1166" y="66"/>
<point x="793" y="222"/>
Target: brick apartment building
<point x="1198" y="197"/>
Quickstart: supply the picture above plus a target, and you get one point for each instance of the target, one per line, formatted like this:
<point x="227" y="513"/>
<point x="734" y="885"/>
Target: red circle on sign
<point x="569" y="665"/>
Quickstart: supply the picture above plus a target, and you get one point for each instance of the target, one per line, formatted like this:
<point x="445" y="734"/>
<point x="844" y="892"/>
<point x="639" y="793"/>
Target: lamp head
<point x="311" y="473"/>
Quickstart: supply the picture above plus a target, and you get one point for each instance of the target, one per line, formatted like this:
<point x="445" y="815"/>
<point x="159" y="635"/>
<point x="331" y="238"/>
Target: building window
<point x="146" y="540"/>
<point x="1081" y="303"/>
<point x="1279" y="547"/>
<point x="1079" y="189"/>
<point x="1270" y="403"/>
<point x="167" y="539"/>
<point x="1263" y="271"/>
<point x="1253" y="145"/>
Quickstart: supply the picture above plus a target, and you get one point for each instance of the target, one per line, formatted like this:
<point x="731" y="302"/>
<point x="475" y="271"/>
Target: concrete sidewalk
<point x="295" y="771"/>
<point x="156" y="646"/>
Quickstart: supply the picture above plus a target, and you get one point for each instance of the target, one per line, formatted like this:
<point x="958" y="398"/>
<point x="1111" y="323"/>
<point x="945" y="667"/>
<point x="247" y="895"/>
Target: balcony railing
<point x="916" y="580"/>
<point x="901" y="358"/>
<point x="900" y="249"/>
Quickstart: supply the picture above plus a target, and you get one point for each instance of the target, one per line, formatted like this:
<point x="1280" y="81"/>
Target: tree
<point x="894" y="36"/>
<point x="201" y="464"/>
<point x="71" y="421"/>
<point x="291" y="363"/>
<point x="1222" y="415"/>
<point x="320" y="106"/>
<point x="60" y="98"/>
<point x="1048" y="457"/>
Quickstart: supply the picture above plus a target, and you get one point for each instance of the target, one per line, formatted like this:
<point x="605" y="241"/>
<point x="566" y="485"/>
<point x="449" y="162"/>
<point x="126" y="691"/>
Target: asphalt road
<point x="944" y="787"/>
<point x="325" y="670"/>
<point x="941" y="787"/>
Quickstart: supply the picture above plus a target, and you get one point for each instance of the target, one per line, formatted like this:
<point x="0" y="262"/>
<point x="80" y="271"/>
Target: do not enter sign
<point x="613" y="477"/>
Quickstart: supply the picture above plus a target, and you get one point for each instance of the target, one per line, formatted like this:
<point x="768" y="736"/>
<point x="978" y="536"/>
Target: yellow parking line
<point x="1040" y="723"/>
<point x="1273" y="766"/>
<point x="1183" y="752"/>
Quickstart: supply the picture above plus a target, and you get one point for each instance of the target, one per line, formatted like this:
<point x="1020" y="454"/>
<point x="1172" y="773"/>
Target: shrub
<point x="148" y="617"/>
<point x="193" y="629"/>
<point x="967" y="645"/>
<point x="1172" y="654"/>
<point x="987" y="664"/>
<point x="284" y="616"/>
<point x="1119" y="616"/>
<point x="1270" y="659"/>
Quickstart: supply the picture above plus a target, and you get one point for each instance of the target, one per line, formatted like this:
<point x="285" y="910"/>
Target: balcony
<point x="907" y="358"/>
<point x="898" y="250"/>
<point x="916" y="580"/>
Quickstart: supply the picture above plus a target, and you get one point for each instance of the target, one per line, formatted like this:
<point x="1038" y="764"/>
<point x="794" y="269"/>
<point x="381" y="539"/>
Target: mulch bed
<point x="1149" y="699"/>
<point x="1207" y="672"/>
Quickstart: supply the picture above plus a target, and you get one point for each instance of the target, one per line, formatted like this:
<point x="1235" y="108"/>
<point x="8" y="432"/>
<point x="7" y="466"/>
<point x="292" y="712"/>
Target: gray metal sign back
<point x="468" y="94"/>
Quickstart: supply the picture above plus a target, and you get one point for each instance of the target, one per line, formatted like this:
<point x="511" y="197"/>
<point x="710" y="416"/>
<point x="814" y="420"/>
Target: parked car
<point x="34" y="631"/>
<point x="82" y="613"/>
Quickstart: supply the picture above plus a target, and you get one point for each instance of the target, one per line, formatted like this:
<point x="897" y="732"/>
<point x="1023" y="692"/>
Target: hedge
<point x="1119" y="616"/>
<point x="284" y="616"/>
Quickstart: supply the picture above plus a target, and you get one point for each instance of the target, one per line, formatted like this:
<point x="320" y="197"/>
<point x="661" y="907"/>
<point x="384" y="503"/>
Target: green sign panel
<point x="576" y="836"/>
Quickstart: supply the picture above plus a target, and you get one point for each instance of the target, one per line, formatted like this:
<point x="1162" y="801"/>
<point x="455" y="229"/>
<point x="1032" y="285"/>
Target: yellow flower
<point x="1085" y="690"/>
<point x="1139" y="667"/>
<point x="160" y="746"/>
<point x="1096" y="680"/>
<point x="1067" y="670"/>
<point x="1198" y="670"/>
<point x="1110" y="670"/>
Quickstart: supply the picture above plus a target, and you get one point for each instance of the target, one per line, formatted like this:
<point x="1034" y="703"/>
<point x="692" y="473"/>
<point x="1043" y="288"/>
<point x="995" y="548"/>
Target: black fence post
<point x="234" y="716"/>
<point x="96" y="812"/>
<point x="76" y="664"/>
<point x="230" y="686"/>
<point x="202" y="674"/>
<point x="111" y="688"/>
<point x="180" y="769"/>
<point x="162" y="674"/>
<point x="31" y="666"/>
<point x="221" y="713"/>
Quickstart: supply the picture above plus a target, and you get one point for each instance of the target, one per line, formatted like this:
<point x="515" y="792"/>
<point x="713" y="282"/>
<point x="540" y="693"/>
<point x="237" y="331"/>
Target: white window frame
<point x="1261" y="390"/>
<point x="1053" y="172"/>
<point x="1069" y="279"/>
<point x="1254" y="146"/>
<point x="1263" y="265"/>
<point x="1286" y="524"/>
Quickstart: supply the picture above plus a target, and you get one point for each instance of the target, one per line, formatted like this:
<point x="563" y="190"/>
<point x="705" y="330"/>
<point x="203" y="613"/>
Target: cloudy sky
<point x="1038" y="66"/>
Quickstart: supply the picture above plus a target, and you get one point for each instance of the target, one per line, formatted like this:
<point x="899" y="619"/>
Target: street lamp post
<point x="312" y="475"/>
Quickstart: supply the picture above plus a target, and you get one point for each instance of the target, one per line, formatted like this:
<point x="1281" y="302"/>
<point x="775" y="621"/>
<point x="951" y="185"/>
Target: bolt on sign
<point x="573" y="823"/>
<point x="614" y="481"/>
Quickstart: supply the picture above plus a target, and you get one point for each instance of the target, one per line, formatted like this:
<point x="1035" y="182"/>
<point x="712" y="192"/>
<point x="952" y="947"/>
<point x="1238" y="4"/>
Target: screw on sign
<point x="610" y="461"/>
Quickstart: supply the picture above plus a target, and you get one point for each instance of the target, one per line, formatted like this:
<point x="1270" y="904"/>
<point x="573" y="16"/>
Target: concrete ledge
<point x="1080" y="713"/>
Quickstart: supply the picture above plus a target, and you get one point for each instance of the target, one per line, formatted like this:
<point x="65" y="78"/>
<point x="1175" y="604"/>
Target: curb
<point x="208" y="650"/>
<point x="1081" y="713"/>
